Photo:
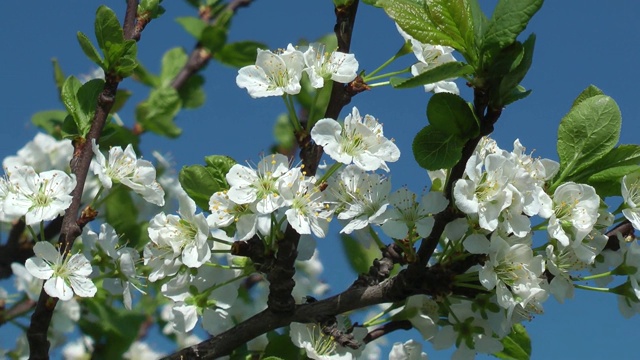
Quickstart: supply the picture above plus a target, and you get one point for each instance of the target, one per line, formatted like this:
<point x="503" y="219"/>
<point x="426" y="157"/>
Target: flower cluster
<point x="279" y="73"/>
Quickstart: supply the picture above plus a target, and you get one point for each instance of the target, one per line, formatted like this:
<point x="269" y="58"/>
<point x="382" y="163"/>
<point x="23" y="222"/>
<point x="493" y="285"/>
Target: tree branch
<point x="71" y="224"/>
<point x="200" y="56"/>
<point x="386" y="329"/>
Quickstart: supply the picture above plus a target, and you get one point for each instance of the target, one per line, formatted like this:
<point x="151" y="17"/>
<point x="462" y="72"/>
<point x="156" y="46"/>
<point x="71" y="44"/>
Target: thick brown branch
<point x="435" y="281"/>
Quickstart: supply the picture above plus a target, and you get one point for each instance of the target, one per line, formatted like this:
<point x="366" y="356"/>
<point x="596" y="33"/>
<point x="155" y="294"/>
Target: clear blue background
<point x="578" y="43"/>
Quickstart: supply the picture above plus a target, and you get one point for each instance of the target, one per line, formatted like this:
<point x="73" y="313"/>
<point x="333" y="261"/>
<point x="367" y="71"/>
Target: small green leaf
<point x="69" y="128"/>
<point x="360" y="258"/>
<point x="126" y="62"/>
<point x="479" y="19"/>
<point x="453" y="17"/>
<point x="586" y="134"/>
<point x="623" y="155"/>
<point x="516" y="345"/>
<point x="90" y="50"/>
<point x="512" y="79"/>
<point x="413" y="18"/>
<point x="434" y="149"/>
<point x="150" y="9"/>
<point x="590" y="91"/>
<point x="81" y="101"/>
<point x="50" y="121"/>
<point x="506" y="60"/>
<point x="193" y="25"/>
<point x="191" y="93"/>
<point x="441" y="72"/>
<point x="141" y="74"/>
<point x="172" y="62"/>
<point x="58" y="76"/>
<point x="109" y="34"/>
<point x="200" y="183"/>
<point x="213" y="38"/>
<point x="158" y="112"/>
<point x="509" y="19"/>
<point x="451" y="114"/>
<point x="239" y="54"/>
<point x="219" y="166"/>
<point x="517" y="93"/>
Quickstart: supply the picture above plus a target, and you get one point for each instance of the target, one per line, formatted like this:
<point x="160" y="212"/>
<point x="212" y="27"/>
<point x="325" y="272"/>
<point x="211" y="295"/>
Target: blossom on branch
<point x="124" y="167"/>
<point x="64" y="276"/>
<point x="360" y="140"/>
<point x="337" y="66"/>
<point x="274" y="74"/>
<point x="39" y="197"/>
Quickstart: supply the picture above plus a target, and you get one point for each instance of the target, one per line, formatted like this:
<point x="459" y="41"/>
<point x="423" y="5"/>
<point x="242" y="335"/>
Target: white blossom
<point x="631" y="197"/>
<point x="359" y="140"/>
<point x="407" y="214"/>
<point x="64" y="277"/>
<point x="337" y="66"/>
<point x="124" y="167"/>
<point x="274" y="74"/>
<point x="39" y="197"/>
<point x="575" y="212"/>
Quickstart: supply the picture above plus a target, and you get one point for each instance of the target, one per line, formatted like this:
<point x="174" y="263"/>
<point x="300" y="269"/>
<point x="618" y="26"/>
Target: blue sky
<point x="578" y="43"/>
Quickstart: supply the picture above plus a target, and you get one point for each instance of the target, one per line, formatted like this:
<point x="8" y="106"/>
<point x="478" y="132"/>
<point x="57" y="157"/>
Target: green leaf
<point x="158" y="112"/>
<point x="90" y="50"/>
<point x="514" y="77"/>
<point x="200" y="183"/>
<point x="58" y="76"/>
<point x="109" y="34"/>
<point x="590" y="91"/>
<point x="441" y="72"/>
<point x="453" y="17"/>
<point x="191" y="93"/>
<point x="141" y="74"/>
<point x="509" y="19"/>
<point x="434" y="149"/>
<point x="517" y="93"/>
<point x="452" y="115"/>
<point x="413" y="18"/>
<point x="122" y="213"/>
<point x="586" y="134"/>
<point x="506" y="60"/>
<point x="516" y="345"/>
<point x="219" y="166"/>
<point x="239" y="54"/>
<point x="81" y="101"/>
<point x="479" y="19"/>
<point x="213" y="38"/>
<point x="172" y="62"/>
<point x="69" y="128"/>
<point x="150" y="9"/>
<point x="623" y="155"/>
<point x="193" y="25"/>
<point x="360" y="258"/>
<point x="125" y="63"/>
<point x="50" y="121"/>
<point x="608" y="182"/>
